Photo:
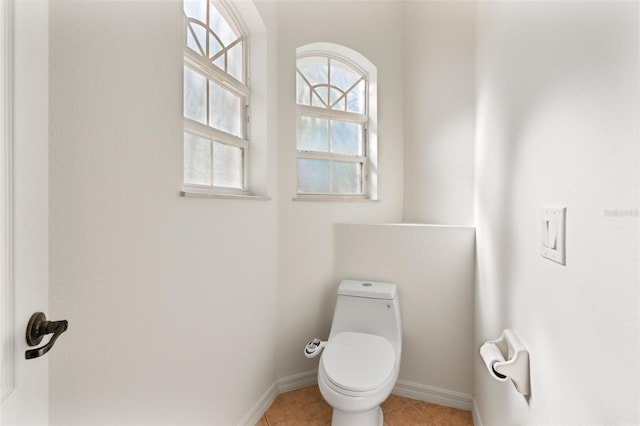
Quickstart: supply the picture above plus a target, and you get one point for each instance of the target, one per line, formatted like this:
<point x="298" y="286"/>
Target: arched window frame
<point x="369" y="157"/>
<point x="227" y="83"/>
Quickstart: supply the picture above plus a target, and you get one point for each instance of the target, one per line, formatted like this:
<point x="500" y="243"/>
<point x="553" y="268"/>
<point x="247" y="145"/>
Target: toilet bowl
<point x="361" y="360"/>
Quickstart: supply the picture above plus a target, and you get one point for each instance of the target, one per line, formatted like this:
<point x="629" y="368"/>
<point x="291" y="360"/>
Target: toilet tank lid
<point x="370" y="289"/>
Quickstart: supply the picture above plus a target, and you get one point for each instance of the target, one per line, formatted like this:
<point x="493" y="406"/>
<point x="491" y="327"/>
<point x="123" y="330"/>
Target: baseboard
<point x="260" y="407"/>
<point x="475" y="412"/>
<point x="434" y="395"/>
<point x="297" y="381"/>
<point x="282" y="385"/>
<point x="413" y="390"/>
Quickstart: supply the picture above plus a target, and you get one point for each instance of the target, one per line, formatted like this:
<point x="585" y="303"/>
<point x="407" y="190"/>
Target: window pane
<point x="355" y="99"/>
<point x="339" y="106"/>
<point x="342" y="75"/>
<point x="196" y="32"/>
<point x="220" y="26"/>
<point x="225" y="110"/>
<point x="323" y="92"/>
<point x="315" y="100"/>
<point x="219" y="61"/>
<point x="196" y="9"/>
<point x="335" y="95"/>
<point x="302" y="91"/>
<point x="195" y="96"/>
<point x="234" y="62"/>
<point x="313" y="176"/>
<point x="227" y="166"/>
<point x="313" y="134"/>
<point x="346" y="177"/>
<point x="214" y="46"/>
<point x="315" y="69"/>
<point x="197" y="160"/>
<point x="346" y="138"/>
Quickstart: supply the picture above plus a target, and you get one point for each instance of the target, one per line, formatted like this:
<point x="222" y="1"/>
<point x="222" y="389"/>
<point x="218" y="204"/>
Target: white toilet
<point x="361" y="360"/>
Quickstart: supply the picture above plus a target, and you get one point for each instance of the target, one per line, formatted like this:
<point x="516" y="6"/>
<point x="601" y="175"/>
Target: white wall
<point x="167" y="297"/>
<point x="433" y="267"/>
<point x="439" y="72"/>
<point x="558" y="125"/>
<point x="306" y="279"/>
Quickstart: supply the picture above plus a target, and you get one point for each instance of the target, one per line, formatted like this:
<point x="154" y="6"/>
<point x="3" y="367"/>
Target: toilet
<point x="361" y="359"/>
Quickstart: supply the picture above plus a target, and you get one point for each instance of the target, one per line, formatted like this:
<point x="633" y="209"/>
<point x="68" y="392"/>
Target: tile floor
<point x="306" y="407"/>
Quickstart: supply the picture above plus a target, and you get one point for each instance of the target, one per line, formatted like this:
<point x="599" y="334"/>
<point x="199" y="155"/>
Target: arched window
<point x="216" y="98"/>
<point x="336" y="151"/>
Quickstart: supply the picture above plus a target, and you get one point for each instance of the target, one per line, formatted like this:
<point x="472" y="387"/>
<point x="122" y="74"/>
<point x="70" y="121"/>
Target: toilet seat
<point x="358" y="362"/>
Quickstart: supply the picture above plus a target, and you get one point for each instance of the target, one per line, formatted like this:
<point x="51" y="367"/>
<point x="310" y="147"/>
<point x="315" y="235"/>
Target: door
<point x="23" y="208"/>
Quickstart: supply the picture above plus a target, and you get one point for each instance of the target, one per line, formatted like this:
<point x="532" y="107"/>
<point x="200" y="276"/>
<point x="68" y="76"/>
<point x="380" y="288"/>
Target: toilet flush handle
<point x="314" y="348"/>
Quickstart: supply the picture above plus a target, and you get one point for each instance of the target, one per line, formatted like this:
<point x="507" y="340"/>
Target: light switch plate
<point x="552" y="232"/>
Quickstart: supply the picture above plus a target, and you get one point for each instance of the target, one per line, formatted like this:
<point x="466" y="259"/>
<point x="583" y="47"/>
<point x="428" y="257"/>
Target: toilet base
<point x="371" y="417"/>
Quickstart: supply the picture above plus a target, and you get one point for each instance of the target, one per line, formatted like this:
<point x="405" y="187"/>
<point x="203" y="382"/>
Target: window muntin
<point x="213" y="37"/>
<point x="216" y="98"/>
<point x="326" y="82"/>
<point x="331" y="127"/>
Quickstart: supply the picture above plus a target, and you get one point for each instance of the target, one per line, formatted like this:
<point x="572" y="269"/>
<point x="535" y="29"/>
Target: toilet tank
<point x="368" y="307"/>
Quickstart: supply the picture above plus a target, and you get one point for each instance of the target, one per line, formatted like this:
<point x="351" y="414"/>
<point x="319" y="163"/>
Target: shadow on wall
<point x="554" y="107"/>
<point x="433" y="268"/>
<point x="501" y="155"/>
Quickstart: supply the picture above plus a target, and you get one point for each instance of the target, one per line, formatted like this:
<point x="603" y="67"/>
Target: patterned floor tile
<point x="306" y="407"/>
<point x="445" y="416"/>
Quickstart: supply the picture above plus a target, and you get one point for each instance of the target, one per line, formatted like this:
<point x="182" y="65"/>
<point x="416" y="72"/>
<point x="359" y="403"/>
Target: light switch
<point x="552" y="234"/>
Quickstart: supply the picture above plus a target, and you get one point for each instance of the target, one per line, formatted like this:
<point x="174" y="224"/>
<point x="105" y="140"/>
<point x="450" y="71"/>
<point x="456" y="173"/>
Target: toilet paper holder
<point x="508" y="358"/>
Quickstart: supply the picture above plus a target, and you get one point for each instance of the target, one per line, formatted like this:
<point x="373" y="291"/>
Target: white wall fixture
<point x="508" y="358"/>
<point x="553" y="235"/>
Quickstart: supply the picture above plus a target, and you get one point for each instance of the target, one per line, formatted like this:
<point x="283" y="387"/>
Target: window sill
<point x="198" y="194"/>
<point x="328" y="198"/>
